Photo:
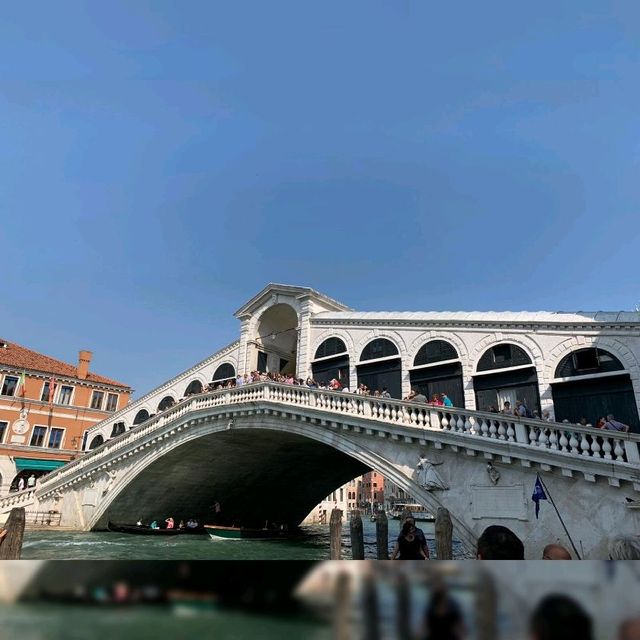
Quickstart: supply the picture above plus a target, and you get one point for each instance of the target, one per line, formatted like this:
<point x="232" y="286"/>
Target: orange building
<point x="46" y="407"/>
<point x="371" y="490"/>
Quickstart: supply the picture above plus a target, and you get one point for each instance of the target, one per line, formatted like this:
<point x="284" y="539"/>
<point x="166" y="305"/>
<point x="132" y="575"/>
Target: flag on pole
<point x="52" y="388"/>
<point x="21" y="384"/>
<point x="538" y="494"/>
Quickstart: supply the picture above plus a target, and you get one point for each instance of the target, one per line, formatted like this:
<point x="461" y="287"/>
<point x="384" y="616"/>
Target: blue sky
<point x="160" y="162"/>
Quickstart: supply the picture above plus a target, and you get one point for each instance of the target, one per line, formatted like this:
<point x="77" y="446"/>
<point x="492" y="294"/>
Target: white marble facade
<point x="289" y="323"/>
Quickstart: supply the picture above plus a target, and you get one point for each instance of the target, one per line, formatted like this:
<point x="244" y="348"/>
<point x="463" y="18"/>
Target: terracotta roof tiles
<point x="18" y="357"/>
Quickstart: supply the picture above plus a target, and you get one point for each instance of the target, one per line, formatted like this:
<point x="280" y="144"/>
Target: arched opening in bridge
<point x="591" y="383"/>
<point x="223" y="374"/>
<point x="255" y="474"/>
<point x="194" y="387"/>
<point x="166" y="403"/>
<point x="141" y="416"/>
<point x="380" y="367"/>
<point x="505" y="373"/>
<point x="437" y="369"/>
<point x="331" y="361"/>
<point x="96" y="442"/>
<point x="118" y="428"/>
<point x="277" y="341"/>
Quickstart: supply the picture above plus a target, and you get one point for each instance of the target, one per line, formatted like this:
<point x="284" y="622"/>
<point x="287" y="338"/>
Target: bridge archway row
<point x="545" y="362"/>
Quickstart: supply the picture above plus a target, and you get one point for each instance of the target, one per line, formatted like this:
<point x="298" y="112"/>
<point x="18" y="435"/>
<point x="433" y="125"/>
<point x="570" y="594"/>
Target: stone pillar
<point x="244" y="349"/>
<point x="303" y="357"/>
<point x="406" y="376"/>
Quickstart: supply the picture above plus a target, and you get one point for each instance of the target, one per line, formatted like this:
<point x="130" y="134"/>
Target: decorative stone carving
<point x="427" y="477"/>
<point x="494" y="474"/>
<point x="111" y="478"/>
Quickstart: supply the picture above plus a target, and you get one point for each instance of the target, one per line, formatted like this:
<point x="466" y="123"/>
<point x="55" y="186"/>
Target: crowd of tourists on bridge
<point x="520" y="409"/>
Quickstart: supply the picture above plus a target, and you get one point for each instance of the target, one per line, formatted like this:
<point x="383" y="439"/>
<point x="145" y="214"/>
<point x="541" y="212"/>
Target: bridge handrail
<point x="17" y="498"/>
<point x="556" y="437"/>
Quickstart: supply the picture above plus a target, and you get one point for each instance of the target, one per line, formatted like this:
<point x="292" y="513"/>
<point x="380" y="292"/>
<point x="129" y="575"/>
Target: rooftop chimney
<point x="84" y="358"/>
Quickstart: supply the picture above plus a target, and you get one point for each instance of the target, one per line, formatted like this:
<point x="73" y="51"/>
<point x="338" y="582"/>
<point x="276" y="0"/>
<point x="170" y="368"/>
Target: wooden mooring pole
<point x="335" y="534"/>
<point x="382" y="535"/>
<point x="371" y="614"/>
<point x="11" y="542"/>
<point x="486" y="607"/>
<point x="403" y="608"/>
<point x="357" y="536"/>
<point x="342" y="611"/>
<point x="444" y="534"/>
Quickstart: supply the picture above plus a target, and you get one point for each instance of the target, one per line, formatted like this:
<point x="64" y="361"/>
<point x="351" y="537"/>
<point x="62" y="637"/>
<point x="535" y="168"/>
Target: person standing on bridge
<point x="614" y="425"/>
<point x="446" y="400"/>
<point x="506" y="409"/>
<point x="418" y="396"/>
<point x="31" y="482"/>
<point x="21" y="484"/>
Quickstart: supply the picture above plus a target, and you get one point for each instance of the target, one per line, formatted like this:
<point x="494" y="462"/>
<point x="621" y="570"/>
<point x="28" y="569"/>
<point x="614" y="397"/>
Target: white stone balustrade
<point x="561" y="441"/>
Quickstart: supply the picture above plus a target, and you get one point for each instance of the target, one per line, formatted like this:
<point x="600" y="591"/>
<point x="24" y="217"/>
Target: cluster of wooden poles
<point x="443" y="531"/>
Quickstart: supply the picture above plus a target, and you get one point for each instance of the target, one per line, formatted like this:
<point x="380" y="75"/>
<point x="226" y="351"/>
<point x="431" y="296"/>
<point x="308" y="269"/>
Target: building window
<point x="3" y="428"/>
<point x="45" y="392"/>
<point x="96" y="400"/>
<point x="9" y="386"/>
<point x="55" y="438"/>
<point x="112" y="402"/>
<point x="37" y="436"/>
<point x="64" y="397"/>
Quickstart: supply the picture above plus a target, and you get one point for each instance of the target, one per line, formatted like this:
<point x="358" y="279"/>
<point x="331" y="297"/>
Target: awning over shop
<point x="32" y="464"/>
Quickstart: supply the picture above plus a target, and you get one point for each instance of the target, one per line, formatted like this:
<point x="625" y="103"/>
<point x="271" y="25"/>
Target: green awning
<point x="31" y="464"/>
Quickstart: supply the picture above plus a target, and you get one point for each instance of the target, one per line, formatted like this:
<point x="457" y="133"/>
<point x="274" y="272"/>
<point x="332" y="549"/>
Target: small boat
<point x="238" y="533"/>
<point x="148" y="531"/>
<point x="419" y="513"/>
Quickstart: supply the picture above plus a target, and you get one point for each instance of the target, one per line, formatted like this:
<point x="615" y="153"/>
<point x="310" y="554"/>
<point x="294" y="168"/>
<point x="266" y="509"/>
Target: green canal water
<point x="73" y="622"/>
<point x="312" y="545"/>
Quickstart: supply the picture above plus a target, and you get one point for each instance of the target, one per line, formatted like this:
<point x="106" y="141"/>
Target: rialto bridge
<point x="271" y="452"/>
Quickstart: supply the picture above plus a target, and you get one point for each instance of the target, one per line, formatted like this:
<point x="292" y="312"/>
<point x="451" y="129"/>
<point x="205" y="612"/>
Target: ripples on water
<point x="53" y="622"/>
<point x="312" y="545"/>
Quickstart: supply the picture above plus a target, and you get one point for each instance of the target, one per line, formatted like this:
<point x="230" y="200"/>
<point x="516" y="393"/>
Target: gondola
<point x="238" y="533"/>
<point x="148" y="531"/>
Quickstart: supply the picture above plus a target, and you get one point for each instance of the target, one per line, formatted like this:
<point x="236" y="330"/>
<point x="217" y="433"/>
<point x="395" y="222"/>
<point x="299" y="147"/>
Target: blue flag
<point x="538" y="494"/>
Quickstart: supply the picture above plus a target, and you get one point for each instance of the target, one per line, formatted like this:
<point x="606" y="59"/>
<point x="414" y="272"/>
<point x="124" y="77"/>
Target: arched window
<point x="582" y="392"/>
<point x="331" y="347"/>
<point x="141" y="416"/>
<point x="381" y="375"/>
<point x="195" y="386"/>
<point x="505" y="376"/>
<point x="435" y="351"/>
<point x="224" y="372"/>
<point x="334" y="362"/>
<point x="96" y="442"/>
<point x="117" y="429"/>
<point x="587" y="361"/>
<point x="503" y="356"/>
<point x="379" y="348"/>
<point x="166" y="403"/>
<point x="437" y="379"/>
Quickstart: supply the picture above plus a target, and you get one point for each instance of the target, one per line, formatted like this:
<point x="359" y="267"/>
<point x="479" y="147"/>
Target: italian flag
<point x="20" y="389"/>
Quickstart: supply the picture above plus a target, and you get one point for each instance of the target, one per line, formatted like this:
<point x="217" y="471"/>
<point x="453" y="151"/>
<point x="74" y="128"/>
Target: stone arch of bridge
<point x="349" y="460"/>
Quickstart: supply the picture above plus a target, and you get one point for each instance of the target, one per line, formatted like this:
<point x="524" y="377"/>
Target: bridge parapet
<point x="566" y="446"/>
<point x="22" y="498"/>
